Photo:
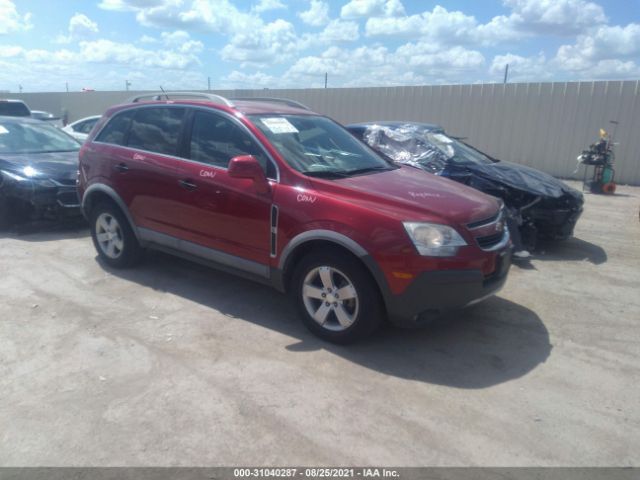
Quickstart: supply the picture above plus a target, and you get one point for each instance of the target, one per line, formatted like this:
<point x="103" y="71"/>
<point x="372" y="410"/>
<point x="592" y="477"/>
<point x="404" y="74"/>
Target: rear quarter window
<point x="116" y="130"/>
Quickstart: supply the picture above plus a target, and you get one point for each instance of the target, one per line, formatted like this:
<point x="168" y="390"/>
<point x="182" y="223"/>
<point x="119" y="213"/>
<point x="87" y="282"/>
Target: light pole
<point x="127" y="84"/>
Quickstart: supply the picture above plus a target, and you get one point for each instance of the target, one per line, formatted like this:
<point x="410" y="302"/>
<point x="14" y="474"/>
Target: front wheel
<point x="113" y="237"/>
<point x="336" y="297"/>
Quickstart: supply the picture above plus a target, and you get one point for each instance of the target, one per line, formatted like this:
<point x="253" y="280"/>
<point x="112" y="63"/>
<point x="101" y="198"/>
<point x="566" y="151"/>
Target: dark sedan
<point x="541" y="205"/>
<point x="38" y="171"/>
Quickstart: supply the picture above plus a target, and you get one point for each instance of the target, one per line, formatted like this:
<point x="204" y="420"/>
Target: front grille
<point x="66" y="182"/>
<point x="489" y="241"/>
<point x="485" y="221"/>
<point x="68" y="199"/>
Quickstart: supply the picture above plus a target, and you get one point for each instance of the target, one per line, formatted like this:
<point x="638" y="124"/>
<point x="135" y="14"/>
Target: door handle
<point x="121" y="167"/>
<point x="187" y="185"/>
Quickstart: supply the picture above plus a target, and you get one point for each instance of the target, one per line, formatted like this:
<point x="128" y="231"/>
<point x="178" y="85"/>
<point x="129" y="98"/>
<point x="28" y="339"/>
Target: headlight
<point x="28" y="174"/>
<point x="433" y="239"/>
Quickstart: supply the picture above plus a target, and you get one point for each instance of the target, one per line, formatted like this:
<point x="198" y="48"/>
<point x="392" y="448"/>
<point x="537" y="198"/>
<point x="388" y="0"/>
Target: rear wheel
<point x="336" y="297"/>
<point x="113" y="237"/>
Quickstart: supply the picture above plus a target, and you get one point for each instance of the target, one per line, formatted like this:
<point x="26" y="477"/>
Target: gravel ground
<point x="175" y="364"/>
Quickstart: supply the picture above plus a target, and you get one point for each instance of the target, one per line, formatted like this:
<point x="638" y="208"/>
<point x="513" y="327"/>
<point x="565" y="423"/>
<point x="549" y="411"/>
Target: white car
<point x="80" y="129"/>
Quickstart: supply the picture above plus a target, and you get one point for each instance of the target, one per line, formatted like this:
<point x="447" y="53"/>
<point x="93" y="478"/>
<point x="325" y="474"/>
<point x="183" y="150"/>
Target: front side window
<point x="317" y="146"/>
<point x="116" y="130"/>
<point x="156" y="129"/>
<point x="215" y="140"/>
<point x="34" y="138"/>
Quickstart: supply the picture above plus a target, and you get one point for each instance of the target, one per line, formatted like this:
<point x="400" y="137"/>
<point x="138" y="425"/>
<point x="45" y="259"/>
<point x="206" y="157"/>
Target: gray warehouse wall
<point x="543" y="125"/>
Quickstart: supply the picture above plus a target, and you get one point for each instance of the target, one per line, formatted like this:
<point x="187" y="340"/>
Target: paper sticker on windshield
<point x="3" y="130"/>
<point x="279" y="125"/>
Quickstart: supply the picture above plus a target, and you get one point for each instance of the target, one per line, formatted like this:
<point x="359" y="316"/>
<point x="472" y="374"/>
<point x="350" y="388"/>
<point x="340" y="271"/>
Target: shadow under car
<point x="480" y="346"/>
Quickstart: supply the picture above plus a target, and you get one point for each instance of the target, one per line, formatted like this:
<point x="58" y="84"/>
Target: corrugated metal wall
<point x="544" y="125"/>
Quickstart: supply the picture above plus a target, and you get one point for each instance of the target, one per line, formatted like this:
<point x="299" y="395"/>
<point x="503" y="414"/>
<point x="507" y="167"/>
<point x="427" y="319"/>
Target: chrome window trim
<point x="213" y="111"/>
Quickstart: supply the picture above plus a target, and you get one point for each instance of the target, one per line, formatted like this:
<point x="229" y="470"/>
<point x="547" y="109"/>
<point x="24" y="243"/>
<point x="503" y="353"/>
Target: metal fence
<point x="543" y="125"/>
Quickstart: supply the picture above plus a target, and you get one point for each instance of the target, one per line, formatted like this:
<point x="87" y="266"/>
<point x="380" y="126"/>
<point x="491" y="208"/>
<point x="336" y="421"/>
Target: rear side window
<point x="156" y="129"/>
<point x="116" y="130"/>
<point x="215" y="140"/>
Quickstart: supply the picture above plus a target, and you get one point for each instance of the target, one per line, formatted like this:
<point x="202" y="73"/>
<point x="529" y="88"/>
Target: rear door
<point x="216" y="211"/>
<point x="136" y="155"/>
<point x="148" y="170"/>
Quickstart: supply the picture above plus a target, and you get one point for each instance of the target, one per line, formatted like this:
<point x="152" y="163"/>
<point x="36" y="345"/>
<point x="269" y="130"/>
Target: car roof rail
<point x="158" y="96"/>
<point x="284" y="101"/>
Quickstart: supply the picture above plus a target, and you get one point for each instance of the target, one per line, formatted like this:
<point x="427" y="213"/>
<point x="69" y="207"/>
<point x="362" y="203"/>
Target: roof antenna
<point x="165" y="93"/>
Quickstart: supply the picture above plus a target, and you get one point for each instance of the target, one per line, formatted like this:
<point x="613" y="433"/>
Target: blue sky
<point x="179" y="44"/>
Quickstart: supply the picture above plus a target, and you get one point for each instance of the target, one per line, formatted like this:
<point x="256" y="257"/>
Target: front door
<point x="226" y="215"/>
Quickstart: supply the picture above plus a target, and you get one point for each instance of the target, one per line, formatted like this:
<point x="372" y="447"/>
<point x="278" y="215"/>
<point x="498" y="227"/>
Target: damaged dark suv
<point x="541" y="205"/>
<point x="38" y="171"/>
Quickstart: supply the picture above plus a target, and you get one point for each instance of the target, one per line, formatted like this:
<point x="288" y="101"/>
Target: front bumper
<point x="55" y="200"/>
<point x="436" y="292"/>
<point x="555" y="223"/>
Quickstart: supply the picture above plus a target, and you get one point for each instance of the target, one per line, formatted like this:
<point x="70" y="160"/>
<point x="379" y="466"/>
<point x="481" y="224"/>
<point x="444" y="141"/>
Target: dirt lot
<point x="174" y="364"/>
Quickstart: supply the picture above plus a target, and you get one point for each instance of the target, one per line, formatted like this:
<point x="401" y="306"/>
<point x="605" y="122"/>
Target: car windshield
<point x="455" y="150"/>
<point x="318" y="146"/>
<point x="16" y="137"/>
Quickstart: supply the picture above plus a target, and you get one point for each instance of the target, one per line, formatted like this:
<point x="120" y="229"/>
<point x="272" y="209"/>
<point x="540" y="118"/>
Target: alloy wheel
<point x="109" y="235"/>
<point x="330" y="298"/>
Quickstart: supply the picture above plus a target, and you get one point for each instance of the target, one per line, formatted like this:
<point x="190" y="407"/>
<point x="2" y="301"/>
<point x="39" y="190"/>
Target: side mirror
<point x="246" y="166"/>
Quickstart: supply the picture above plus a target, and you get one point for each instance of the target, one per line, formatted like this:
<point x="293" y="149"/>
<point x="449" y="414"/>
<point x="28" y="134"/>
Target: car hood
<point x="523" y="178"/>
<point x="409" y="188"/>
<point x="56" y="165"/>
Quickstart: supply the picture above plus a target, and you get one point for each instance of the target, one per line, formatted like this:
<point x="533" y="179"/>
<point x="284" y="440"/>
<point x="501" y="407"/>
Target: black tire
<point x="366" y="310"/>
<point x="128" y="252"/>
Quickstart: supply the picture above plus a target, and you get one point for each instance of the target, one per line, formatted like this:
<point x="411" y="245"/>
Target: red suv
<point x="274" y="192"/>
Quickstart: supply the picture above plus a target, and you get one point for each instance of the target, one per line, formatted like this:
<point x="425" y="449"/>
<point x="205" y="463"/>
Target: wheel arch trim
<point x="111" y="193"/>
<point x="328" y="235"/>
<point x="341" y="240"/>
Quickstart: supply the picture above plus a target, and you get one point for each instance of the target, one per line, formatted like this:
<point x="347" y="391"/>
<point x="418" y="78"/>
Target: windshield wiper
<point x="326" y="174"/>
<point x="360" y="171"/>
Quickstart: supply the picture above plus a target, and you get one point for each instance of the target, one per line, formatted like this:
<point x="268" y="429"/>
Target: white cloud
<point x="527" y="18"/>
<point x="317" y="15"/>
<point x="439" y="24"/>
<point x="615" y="49"/>
<point x="80" y="27"/>
<point x="181" y="41"/>
<point x="130" y="5"/>
<point x="555" y="17"/>
<point x="604" y="43"/>
<point x="372" y="8"/>
<point x="11" y="20"/>
<point x="147" y="39"/>
<point x="521" y="69"/>
<point x="238" y="79"/>
<point x="275" y="42"/>
<point x="338" y="31"/>
<point x="376" y="65"/>
<point x="265" y="5"/>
